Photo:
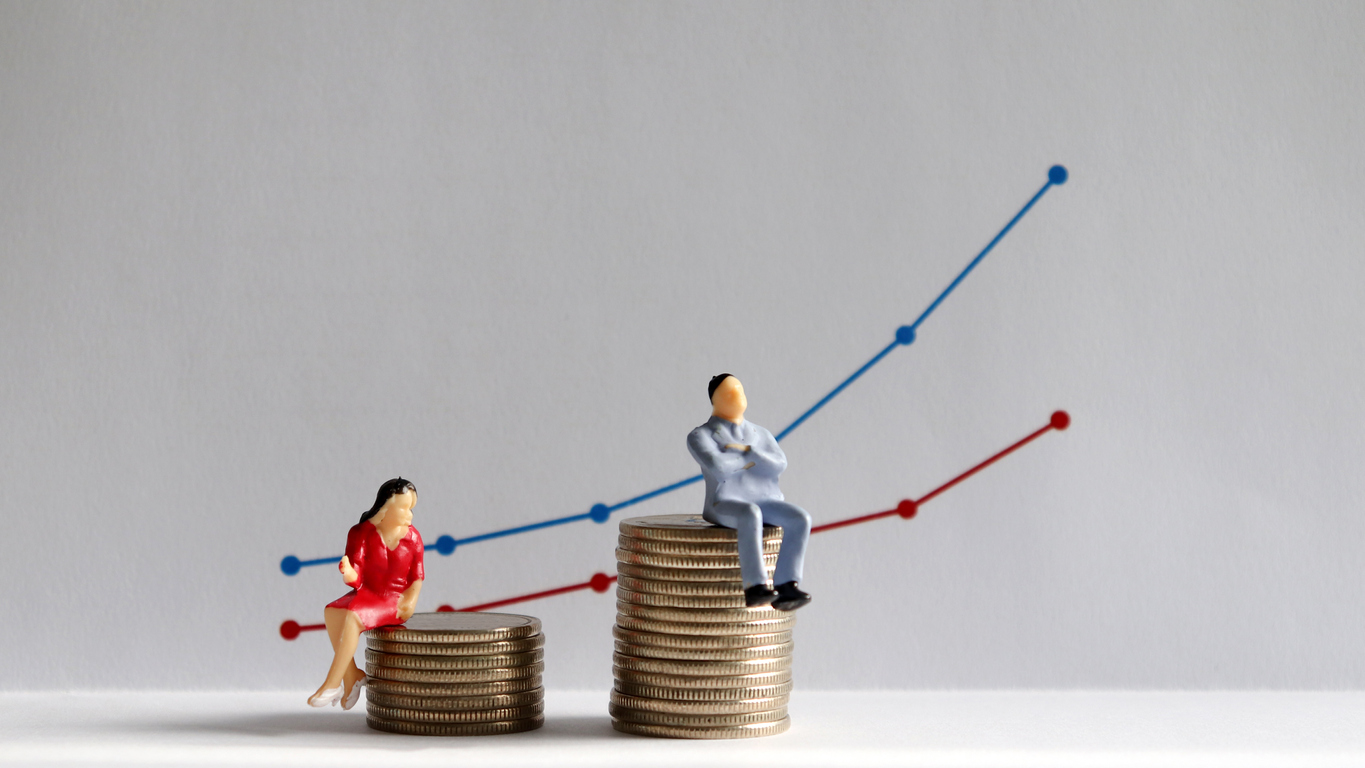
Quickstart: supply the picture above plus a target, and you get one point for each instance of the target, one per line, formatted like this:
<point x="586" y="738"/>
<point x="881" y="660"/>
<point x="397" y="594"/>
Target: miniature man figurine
<point x="741" y="462"/>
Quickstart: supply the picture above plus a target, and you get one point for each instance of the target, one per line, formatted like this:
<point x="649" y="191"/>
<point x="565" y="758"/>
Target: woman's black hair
<point x="388" y="490"/>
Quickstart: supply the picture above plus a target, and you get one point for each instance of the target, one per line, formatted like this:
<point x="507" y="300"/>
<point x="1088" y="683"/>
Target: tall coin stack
<point x="691" y="661"/>
<point x="456" y="674"/>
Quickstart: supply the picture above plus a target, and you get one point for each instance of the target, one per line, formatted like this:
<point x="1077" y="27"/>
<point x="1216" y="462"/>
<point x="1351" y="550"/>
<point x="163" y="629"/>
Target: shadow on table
<point x="579" y="727"/>
<point x="266" y="725"/>
<point x="329" y="725"/>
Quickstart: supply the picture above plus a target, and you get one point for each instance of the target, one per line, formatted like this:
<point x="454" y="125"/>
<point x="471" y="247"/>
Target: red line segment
<point x="291" y="629"/>
<point x="598" y="583"/>
<point x="852" y="521"/>
<point x="908" y="508"/>
<point x="997" y="457"/>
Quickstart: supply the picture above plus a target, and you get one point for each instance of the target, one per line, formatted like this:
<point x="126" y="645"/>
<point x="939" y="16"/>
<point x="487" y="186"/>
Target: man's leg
<point x="795" y="524"/>
<point x="747" y="520"/>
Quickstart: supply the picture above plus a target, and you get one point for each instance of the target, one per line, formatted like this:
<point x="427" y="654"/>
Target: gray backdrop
<point x="258" y="258"/>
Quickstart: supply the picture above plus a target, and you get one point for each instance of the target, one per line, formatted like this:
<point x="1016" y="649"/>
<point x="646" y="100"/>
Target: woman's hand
<point x="348" y="573"/>
<point x="407" y="602"/>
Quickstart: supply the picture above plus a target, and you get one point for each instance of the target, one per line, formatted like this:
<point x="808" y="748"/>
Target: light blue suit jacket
<point x="727" y="479"/>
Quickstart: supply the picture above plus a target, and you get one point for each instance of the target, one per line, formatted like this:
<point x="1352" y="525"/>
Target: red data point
<point x="445" y="609"/>
<point x="907" y="508"/>
<point x="289" y="630"/>
<point x="1060" y="420"/>
<point x="600" y="582"/>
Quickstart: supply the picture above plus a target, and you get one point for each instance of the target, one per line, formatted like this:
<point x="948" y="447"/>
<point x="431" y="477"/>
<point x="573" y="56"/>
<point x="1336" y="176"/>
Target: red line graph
<point x="906" y="509"/>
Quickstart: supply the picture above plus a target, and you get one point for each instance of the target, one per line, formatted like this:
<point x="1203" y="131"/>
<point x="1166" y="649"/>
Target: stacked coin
<point x="456" y="674"/>
<point x="691" y="661"/>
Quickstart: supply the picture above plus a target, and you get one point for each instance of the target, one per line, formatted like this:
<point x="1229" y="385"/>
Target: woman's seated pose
<point x="383" y="566"/>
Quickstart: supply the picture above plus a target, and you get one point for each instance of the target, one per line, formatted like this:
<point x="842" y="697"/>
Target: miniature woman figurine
<point x="741" y="463"/>
<point x="383" y="566"/>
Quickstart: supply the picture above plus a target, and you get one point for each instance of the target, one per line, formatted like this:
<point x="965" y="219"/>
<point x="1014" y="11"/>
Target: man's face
<point x="729" y="402"/>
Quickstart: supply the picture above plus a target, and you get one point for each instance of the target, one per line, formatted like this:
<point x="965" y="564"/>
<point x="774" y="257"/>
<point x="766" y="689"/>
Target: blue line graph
<point x="600" y="513"/>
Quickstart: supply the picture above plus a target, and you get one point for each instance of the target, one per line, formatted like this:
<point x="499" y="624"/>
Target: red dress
<point x="383" y="574"/>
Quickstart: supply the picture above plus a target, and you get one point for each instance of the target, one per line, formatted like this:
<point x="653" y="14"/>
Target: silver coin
<point x="691" y="548"/>
<point x="694" y="721"/>
<point x="460" y="627"/>
<point x="709" y="682"/>
<point x="704" y="654"/>
<point x="456" y="649"/>
<point x="684" y="561"/>
<point x="454" y="729"/>
<point x="678" y="601"/>
<point x="458" y="690"/>
<point x="452" y="663"/>
<point x="667" y="706"/>
<point x="700" y="642"/>
<point x="698" y="615"/>
<point x="685" y="528"/>
<point x="684" y="732"/>
<point x="643" y="691"/>
<point x="683" y="574"/>
<point x="679" y="628"/>
<point x="688" y="588"/>
<point x="474" y="716"/>
<point x="459" y="676"/>
<point x="671" y="667"/>
<point x="458" y="703"/>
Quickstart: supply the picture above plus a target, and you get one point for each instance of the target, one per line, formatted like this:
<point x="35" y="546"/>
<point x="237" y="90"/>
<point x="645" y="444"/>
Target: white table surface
<point x="829" y="728"/>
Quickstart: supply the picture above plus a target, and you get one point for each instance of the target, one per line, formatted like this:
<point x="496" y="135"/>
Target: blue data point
<point x="290" y="565"/>
<point x="599" y="513"/>
<point x="446" y="544"/>
<point x="1056" y="174"/>
<point x="905" y="334"/>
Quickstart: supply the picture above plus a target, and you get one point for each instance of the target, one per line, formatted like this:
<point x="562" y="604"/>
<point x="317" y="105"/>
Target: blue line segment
<point x="963" y="274"/>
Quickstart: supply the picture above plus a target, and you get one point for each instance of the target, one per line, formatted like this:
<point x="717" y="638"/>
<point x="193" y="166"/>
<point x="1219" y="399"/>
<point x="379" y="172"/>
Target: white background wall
<point x="257" y="258"/>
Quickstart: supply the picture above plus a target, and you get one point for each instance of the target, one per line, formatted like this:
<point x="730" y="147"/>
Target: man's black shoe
<point x="789" y="598"/>
<point x="759" y="595"/>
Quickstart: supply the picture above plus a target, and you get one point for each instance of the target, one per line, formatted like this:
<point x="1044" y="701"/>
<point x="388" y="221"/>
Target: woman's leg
<point x="335" y="619"/>
<point x="343" y="629"/>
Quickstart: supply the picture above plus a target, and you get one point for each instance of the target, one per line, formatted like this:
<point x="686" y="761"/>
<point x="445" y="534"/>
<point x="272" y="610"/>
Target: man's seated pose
<point x="741" y="463"/>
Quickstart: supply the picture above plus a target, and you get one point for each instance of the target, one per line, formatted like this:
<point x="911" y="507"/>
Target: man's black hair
<point x="715" y="382"/>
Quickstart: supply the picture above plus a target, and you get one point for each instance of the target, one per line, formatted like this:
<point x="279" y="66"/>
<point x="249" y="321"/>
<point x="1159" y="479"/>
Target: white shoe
<point x="329" y="696"/>
<point x="354" y="695"/>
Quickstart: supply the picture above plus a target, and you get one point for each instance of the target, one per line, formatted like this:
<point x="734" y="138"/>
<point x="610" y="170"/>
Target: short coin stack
<point x="456" y="674"/>
<point x="691" y="661"/>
